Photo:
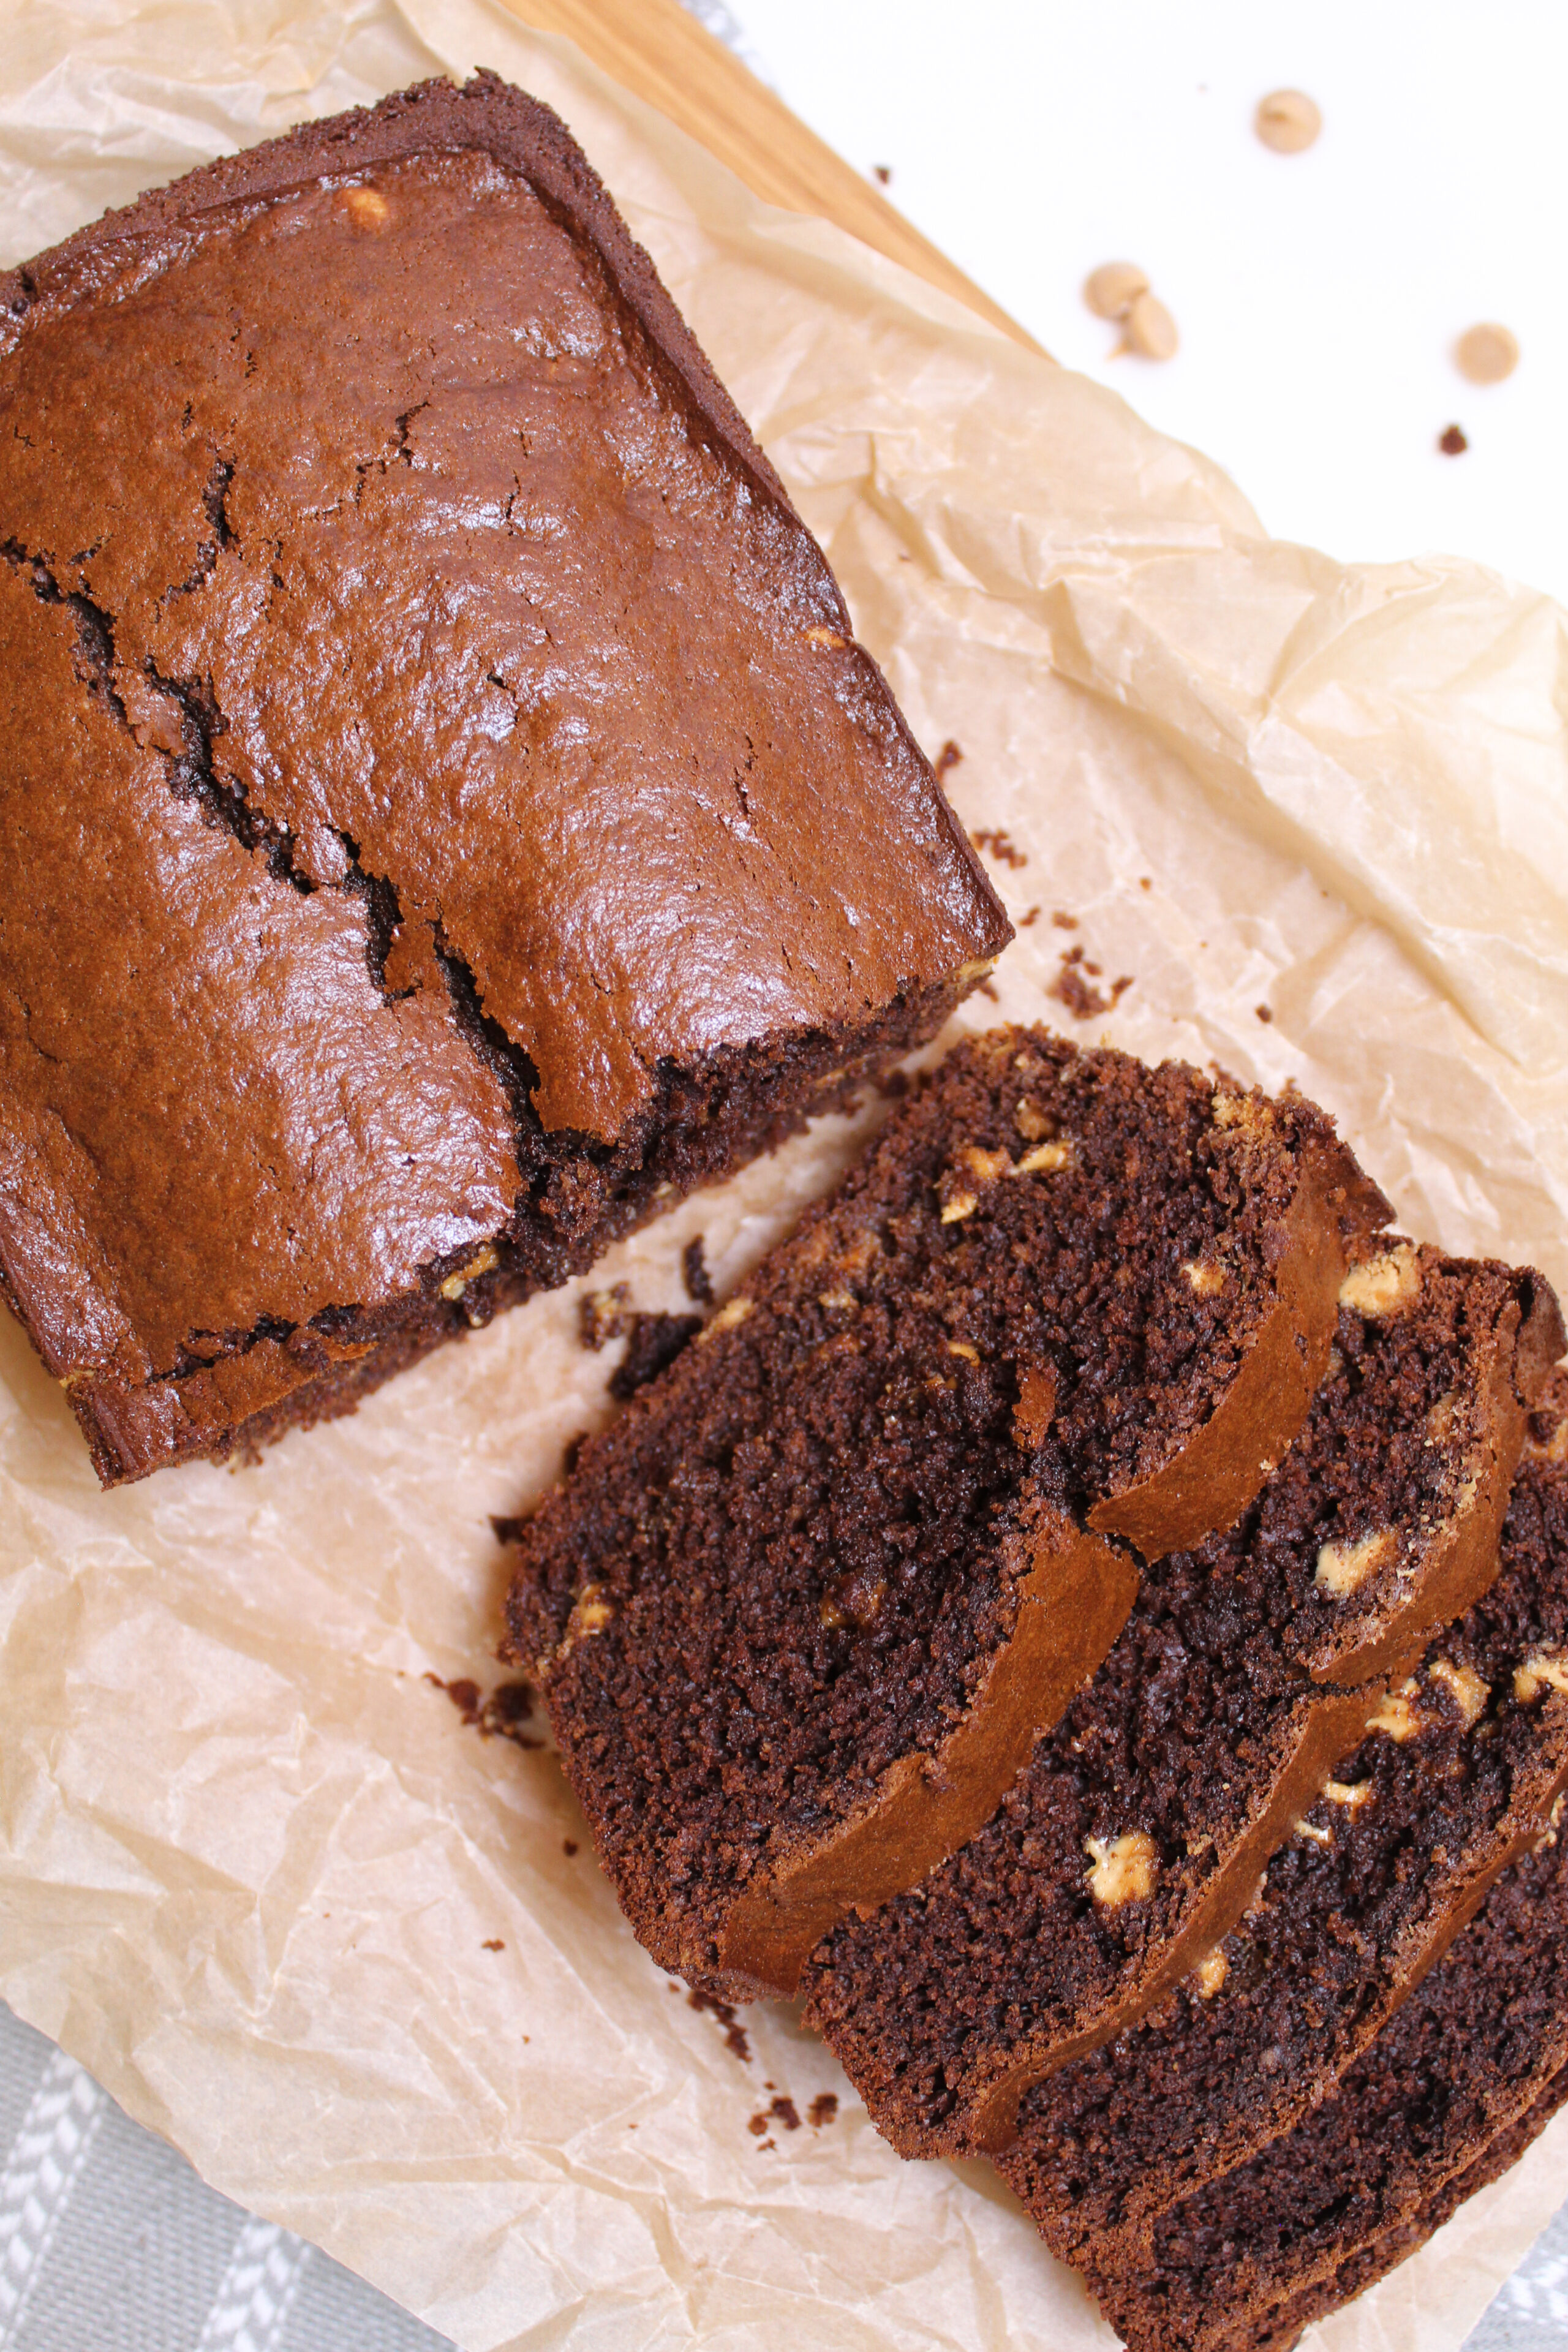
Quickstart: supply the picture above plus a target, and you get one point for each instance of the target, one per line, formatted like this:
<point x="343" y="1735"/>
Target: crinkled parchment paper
<point x="255" y="1868"/>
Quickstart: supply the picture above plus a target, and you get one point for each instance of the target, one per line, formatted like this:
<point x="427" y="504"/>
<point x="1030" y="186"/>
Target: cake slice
<point x="1281" y="2325"/>
<point x="1454" y="2087"/>
<point x="1141" y="1827"/>
<point x="799" y="1614"/>
<point x="1461" y="1773"/>
<point x="447" y="813"/>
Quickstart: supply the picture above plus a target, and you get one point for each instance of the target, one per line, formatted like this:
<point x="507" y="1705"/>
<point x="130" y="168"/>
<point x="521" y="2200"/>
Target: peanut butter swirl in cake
<point x="1139" y="1830"/>
<point x="799" y="1615"/>
<point x="445" y="808"/>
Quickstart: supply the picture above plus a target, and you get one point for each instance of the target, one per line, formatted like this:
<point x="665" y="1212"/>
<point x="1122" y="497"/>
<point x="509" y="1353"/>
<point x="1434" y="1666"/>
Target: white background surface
<point x="1317" y="295"/>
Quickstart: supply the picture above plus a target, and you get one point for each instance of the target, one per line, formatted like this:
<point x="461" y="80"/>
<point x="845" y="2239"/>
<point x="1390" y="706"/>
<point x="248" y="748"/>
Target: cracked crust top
<point x="405" y="650"/>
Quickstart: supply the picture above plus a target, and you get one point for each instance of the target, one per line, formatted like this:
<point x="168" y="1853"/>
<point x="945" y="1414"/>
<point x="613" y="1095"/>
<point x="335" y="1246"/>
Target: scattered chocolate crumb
<point x="1095" y="971"/>
<point x="988" y="988"/>
<point x="656" y="1340"/>
<point x="823" y="2109"/>
<point x="770" y="2087"/>
<point x="500" y="1716"/>
<point x="603" y="1315"/>
<point x="882" y="173"/>
<point x="724" y="2010"/>
<point x="504" y="1713"/>
<point x="1146" y="882"/>
<point x="568" y="1847"/>
<point x="1082" y="999"/>
<point x="1265" y="1012"/>
<point x="1063" y="920"/>
<point x="463" y="1694"/>
<point x="1026" y="922"/>
<point x="1452" y="442"/>
<point x="694" y="1273"/>
<point x="758" y="2123"/>
<point x="492" y="1944"/>
<point x="893" y="1086"/>
<point x="571" y="1454"/>
<point x="1001" y="845"/>
<point x="506" y="1531"/>
<point x="788" y="2114"/>
<point x="948" y="757"/>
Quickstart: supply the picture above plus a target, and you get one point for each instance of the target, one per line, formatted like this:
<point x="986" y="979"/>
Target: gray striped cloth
<point x="108" y="2243"/>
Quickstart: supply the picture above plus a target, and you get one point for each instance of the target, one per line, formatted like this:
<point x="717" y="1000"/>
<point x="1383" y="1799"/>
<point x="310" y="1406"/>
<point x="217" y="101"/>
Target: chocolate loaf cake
<point x="446" y="812"/>
<point x="1138" y="1832"/>
<point x="1462" y="1770"/>
<point x="798" y="1616"/>
<point x="1454" y="2086"/>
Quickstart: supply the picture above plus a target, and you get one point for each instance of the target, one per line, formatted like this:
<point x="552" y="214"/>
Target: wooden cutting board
<point x="660" y="51"/>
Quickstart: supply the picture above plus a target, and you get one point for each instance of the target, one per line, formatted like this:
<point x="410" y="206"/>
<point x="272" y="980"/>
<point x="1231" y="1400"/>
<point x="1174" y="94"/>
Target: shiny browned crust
<point x="278" y="1371"/>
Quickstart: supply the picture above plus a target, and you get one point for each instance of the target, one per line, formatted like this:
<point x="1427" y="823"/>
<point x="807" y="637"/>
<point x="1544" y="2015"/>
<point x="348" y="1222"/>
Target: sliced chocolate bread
<point x="1139" y="1831"/>
<point x="1454" y="2086"/>
<point x="1459" y="1774"/>
<point x="1284" y="2323"/>
<point x="799" y="1615"/>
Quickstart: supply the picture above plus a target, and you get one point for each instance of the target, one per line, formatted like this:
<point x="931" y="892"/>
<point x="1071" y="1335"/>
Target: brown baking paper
<point x="258" y="1875"/>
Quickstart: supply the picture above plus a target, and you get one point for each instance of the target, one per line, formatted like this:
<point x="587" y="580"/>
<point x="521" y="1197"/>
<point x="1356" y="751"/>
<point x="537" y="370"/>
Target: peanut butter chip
<point x="1554" y="1447"/>
<point x="1121" y="1871"/>
<point x="1287" y="121"/>
<point x="1487" y="354"/>
<point x="1206" y="1279"/>
<point x="1044" y="1161"/>
<point x="1396" y="1719"/>
<point x="1352" y="1793"/>
<point x="1381" y="1286"/>
<point x="484" y="1261"/>
<point x="1441" y="1419"/>
<point x="736" y="1311"/>
<point x="367" y="207"/>
<point x="1211" y="1973"/>
<point x="829" y="639"/>
<point x="1310" y="1829"/>
<point x="962" y="1205"/>
<point x="1150" y="331"/>
<point x="963" y="1348"/>
<point x="1469" y="1692"/>
<point x="591" y="1613"/>
<point x="1112" y="288"/>
<point x="1245" y="1111"/>
<point x="1031" y="1121"/>
<point x="986" y="1165"/>
<point x="1546" y="1670"/>
<point x="1343" y="1568"/>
